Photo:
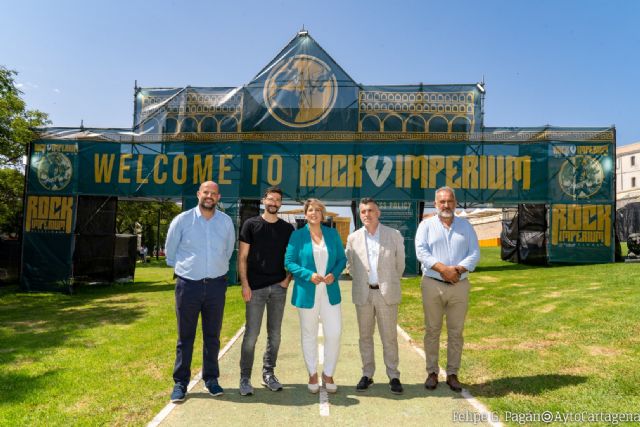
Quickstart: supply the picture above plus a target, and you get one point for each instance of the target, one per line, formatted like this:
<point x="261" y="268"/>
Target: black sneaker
<point x="364" y="383"/>
<point x="395" y="386"/>
<point x="213" y="387"/>
<point x="178" y="394"/>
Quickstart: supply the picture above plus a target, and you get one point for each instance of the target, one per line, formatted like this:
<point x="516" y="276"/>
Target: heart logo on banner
<point x="378" y="177"/>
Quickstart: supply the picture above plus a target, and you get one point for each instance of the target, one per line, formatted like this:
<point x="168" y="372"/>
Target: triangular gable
<point x="304" y="44"/>
<point x="302" y="88"/>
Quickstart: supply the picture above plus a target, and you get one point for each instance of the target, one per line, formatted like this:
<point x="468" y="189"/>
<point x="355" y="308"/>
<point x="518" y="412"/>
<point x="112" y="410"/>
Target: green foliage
<point x="16" y="122"/>
<point x="11" y="189"/>
<point x="146" y="215"/>
<point x="16" y="131"/>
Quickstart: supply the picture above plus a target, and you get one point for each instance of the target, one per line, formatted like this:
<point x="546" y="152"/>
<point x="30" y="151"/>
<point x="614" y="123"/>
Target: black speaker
<point x="96" y="215"/>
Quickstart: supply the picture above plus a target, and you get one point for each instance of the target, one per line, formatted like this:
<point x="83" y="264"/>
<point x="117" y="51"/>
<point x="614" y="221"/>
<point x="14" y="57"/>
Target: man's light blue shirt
<point x="457" y="245"/>
<point x="199" y="248"/>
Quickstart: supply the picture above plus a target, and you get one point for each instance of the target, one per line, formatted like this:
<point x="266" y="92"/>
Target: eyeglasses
<point x="273" y="199"/>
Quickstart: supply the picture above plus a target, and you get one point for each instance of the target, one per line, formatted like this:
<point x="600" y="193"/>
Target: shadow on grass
<point x="32" y="323"/>
<point x="14" y="387"/>
<point x="530" y="386"/>
<point x="124" y="288"/>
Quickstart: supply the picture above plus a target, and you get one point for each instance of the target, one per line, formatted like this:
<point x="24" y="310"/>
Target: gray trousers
<point x="387" y="318"/>
<point x="273" y="298"/>
<point x="441" y="300"/>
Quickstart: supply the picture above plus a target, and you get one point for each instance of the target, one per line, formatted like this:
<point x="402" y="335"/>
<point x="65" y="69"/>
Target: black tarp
<point x="524" y="236"/>
<point x="627" y="221"/>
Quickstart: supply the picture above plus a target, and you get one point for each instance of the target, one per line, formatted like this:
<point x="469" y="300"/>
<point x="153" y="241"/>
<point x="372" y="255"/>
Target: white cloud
<point x="56" y="90"/>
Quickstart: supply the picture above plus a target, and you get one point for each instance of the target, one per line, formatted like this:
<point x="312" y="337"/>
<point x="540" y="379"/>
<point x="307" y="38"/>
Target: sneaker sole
<point x="246" y="394"/>
<point x="177" y="400"/>
<point x="272" y="389"/>
<point x="360" y="390"/>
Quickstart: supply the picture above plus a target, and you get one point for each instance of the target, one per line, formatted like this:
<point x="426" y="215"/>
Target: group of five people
<point x="200" y="243"/>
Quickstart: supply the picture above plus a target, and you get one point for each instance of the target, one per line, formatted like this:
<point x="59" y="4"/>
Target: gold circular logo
<point x="55" y="171"/>
<point x="581" y="176"/>
<point x="301" y="91"/>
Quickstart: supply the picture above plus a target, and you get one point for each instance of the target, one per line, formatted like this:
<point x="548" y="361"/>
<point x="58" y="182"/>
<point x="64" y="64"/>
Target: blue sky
<point x="564" y="63"/>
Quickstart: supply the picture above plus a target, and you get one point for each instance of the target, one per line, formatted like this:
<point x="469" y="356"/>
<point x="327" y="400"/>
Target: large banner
<point x="50" y="211"/>
<point x="501" y="174"/>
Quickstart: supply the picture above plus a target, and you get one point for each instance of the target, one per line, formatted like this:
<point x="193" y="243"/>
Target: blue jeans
<point x="195" y="297"/>
<point x="273" y="297"/>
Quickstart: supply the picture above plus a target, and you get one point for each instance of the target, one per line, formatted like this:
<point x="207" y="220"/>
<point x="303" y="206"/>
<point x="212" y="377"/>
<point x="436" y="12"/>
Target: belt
<point x="374" y="286"/>
<point x="438" y="280"/>
<point x="204" y="281"/>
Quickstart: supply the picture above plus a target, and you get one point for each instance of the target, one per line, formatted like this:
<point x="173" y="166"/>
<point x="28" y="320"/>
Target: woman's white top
<point x="320" y="257"/>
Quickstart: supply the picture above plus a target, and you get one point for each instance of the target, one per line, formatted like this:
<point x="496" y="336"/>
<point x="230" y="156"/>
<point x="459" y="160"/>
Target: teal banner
<point x="404" y="217"/>
<point x="586" y="229"/>
<point x="481" y="172"/>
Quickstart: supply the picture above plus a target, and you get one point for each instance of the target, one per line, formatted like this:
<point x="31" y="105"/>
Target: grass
<point x="562" y="338"/>
<point x="103" y="356"/>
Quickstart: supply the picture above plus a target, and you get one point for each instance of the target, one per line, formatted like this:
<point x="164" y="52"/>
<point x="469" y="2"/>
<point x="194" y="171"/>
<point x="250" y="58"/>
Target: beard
<point x="207" y="204"/>
<point x="271" y="209"/>
<point x="445" y="213"/>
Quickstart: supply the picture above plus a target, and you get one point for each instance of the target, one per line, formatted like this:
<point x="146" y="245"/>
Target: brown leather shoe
<point x="432" y="381"/>
<point x="454" y="384"/>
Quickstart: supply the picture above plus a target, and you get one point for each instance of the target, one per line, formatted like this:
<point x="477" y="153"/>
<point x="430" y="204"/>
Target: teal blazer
<point x="298" y="260"/>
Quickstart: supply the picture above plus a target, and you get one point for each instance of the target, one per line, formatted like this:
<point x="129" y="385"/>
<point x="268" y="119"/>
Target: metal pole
<point x="24" y="212"/>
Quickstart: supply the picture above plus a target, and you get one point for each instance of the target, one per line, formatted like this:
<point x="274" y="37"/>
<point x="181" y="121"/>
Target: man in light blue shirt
<point x="447" y="246"/>
<point x="199" y="245"/>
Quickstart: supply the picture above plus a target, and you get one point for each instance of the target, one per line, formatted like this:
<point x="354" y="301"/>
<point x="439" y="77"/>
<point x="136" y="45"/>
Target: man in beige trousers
<point x="447" y="246"/>
<point x="375" y="259"/>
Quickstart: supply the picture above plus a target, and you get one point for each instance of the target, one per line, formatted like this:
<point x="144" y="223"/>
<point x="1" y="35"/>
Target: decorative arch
<point x="188" y="125"/>
<point x="228" y="124"/>
<point x="371" y="123"/>
<point x="170" y="125"/>
<point x="392" y="123"/>
<point x="438" y="124"/>
<point x="461" y="124"/>
<point x="209" y="125"/>
<point x="415" y="123"/>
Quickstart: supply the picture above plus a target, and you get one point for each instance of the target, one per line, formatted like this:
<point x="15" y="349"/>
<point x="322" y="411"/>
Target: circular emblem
<point x="581" y="176"/>
<point x="55" y="171"/>
<point x="300" y="91"/>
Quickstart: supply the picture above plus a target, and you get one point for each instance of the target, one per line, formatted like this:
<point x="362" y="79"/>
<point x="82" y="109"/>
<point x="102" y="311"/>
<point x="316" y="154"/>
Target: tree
<point x="146" y="214"/>
<point x="11" y="190"/>
<point x="16" y="132"/>
<point x="16" y="122"/>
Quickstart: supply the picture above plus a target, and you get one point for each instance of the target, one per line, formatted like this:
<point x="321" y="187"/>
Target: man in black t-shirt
<point x="263" y="242"/>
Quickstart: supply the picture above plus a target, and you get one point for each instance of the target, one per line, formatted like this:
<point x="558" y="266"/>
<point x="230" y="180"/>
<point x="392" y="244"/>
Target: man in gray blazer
<point x="375" y="259"/>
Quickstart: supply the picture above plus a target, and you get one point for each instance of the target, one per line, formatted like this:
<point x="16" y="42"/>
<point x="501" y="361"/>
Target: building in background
<point x="627" y="174"/>
<point x="341" y="223"/>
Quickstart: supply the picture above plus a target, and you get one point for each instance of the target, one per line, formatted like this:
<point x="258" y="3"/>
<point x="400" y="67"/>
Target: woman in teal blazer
<point x="315" y="257"/>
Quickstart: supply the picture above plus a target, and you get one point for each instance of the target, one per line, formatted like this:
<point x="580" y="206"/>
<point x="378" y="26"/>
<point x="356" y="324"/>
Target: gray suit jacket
<point x="390" y="265"/>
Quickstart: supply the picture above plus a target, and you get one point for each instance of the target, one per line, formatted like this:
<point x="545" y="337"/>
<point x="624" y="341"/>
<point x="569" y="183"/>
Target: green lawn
<point x="564" y="338"/>
<point x="103" y="356"/>
<point x="537" y="338"/>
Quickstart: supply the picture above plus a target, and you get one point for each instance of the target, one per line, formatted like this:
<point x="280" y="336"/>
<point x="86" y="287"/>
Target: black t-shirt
<point x="265" y="263"/>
